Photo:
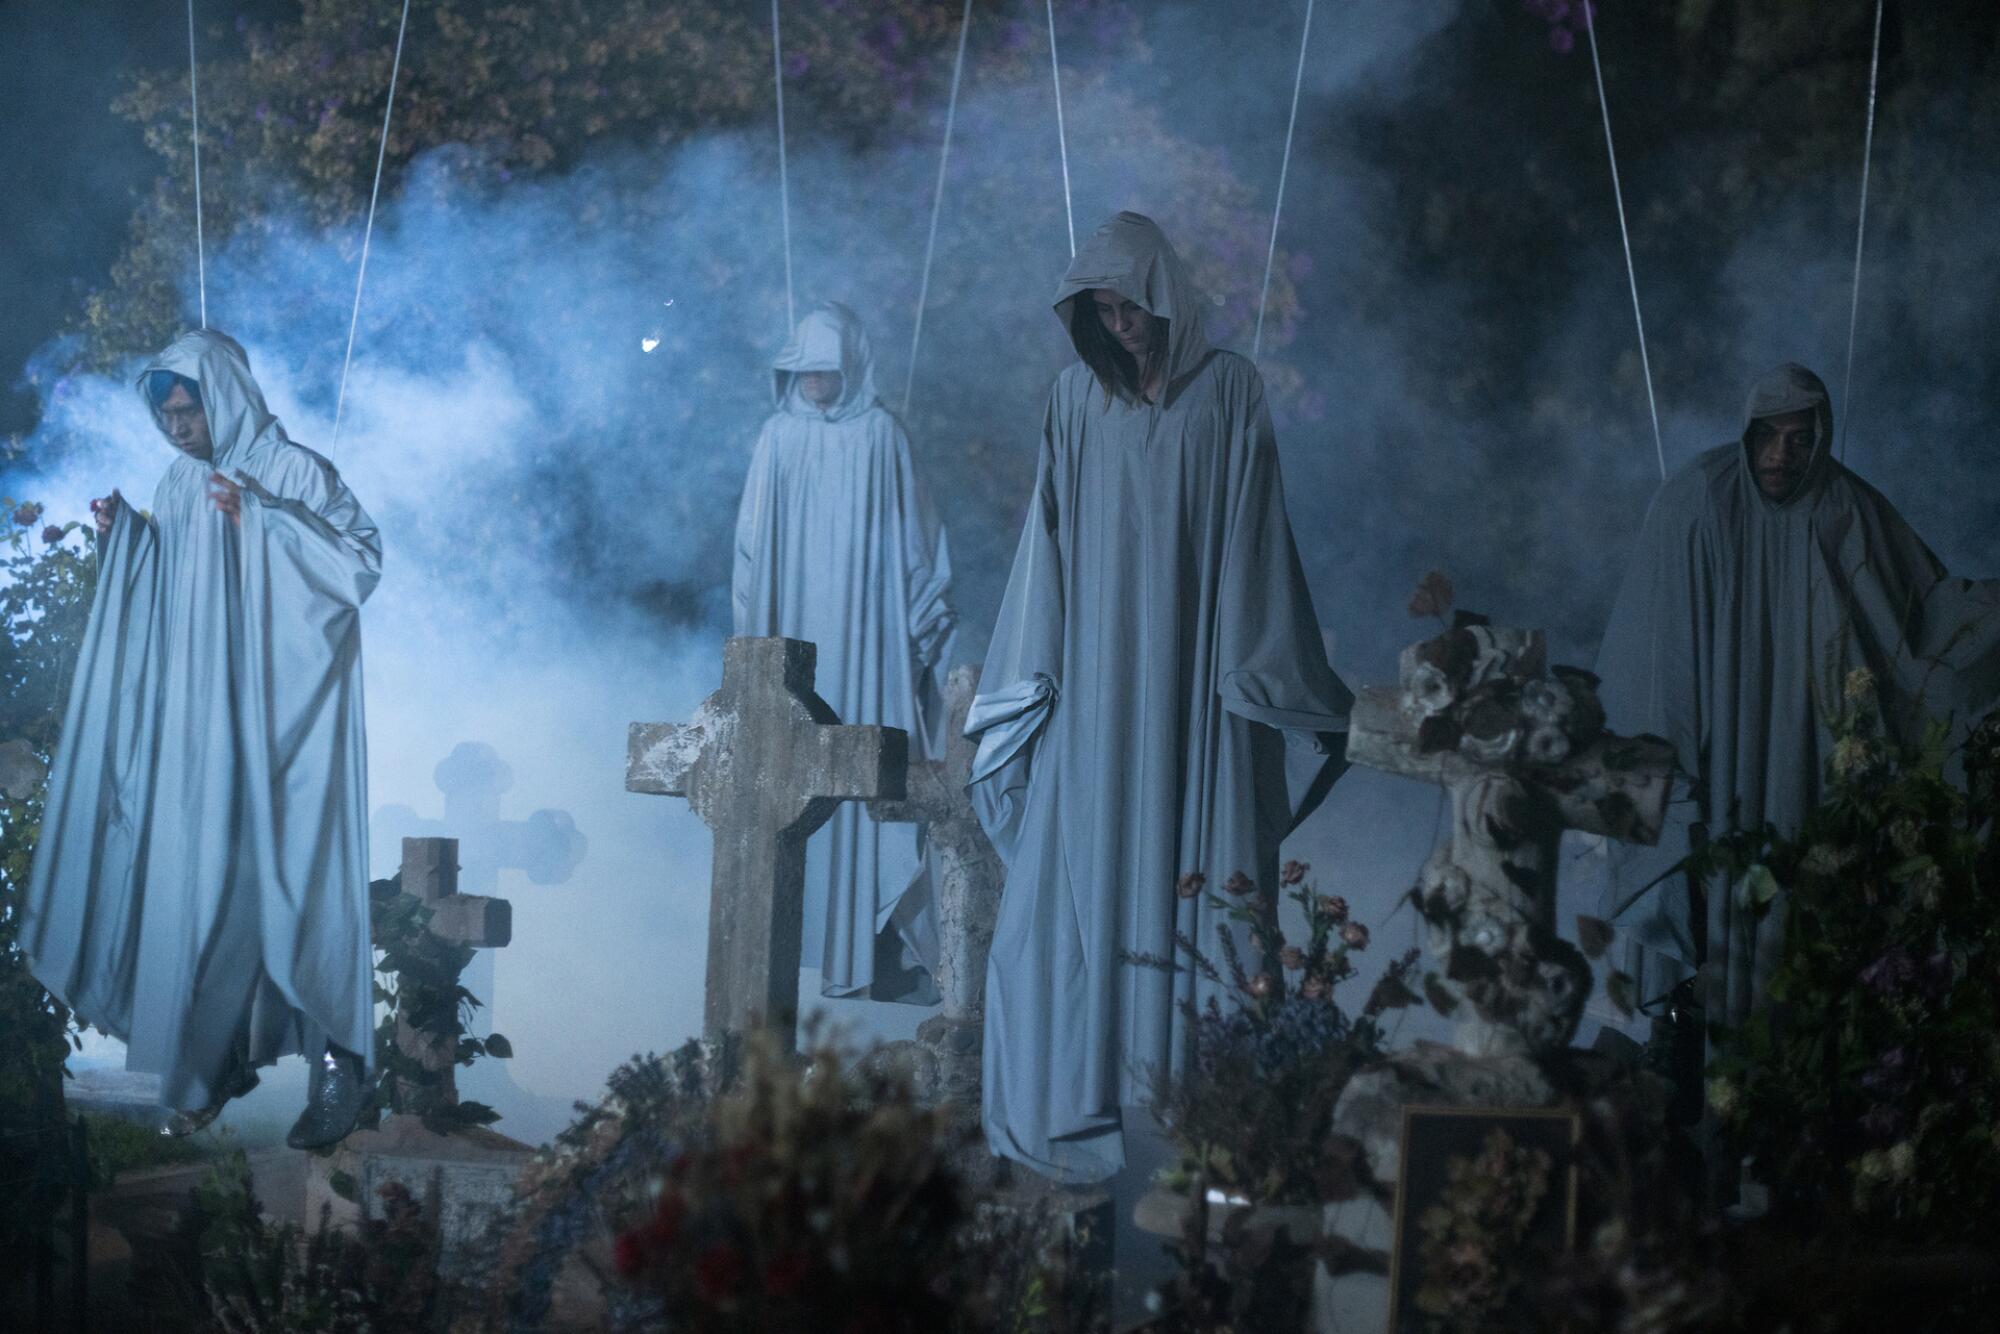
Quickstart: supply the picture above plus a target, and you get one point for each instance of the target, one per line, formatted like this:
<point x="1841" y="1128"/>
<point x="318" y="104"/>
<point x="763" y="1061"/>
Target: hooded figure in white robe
<point x="1739" y="619"/>
<point x="837" y="543"/>
<point x="1156" y="652"/>
<point x="200" y="886"/>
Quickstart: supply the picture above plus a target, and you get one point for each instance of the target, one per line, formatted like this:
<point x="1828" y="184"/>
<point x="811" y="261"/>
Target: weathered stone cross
<point x="969" y="873"/>
<point x="430" y="874"/>
<point x="763" y="762"/>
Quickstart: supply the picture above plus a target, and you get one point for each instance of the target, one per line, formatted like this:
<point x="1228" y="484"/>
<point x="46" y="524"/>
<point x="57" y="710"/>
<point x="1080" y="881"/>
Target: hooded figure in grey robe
<point x="1732" y="637"/>
<point x="837" y="543"/>
<point x="200" y="886"/>
<point x="1156" y="650"/>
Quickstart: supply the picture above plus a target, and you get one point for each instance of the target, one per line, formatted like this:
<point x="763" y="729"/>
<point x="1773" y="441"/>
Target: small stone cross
<point x="968" y="872"/>
<point x="430" y="874"/>
<point x="764" y="762"/>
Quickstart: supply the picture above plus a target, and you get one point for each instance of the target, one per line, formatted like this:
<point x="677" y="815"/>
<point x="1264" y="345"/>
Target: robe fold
<point x="200" y="887"/>
<point x="1731" y="637"/>
<point x="837" y="542"/>
<point x="1155" y="651"/>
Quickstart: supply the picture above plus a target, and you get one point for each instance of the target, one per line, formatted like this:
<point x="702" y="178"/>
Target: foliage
<point x="418" y="986"/>
<point x="292" y="112"/>
<point x="264" y="1279"/>
<point x="118" y="1146"/>
<point x="1868" y="1088"/>
<point x="824" y="1201"/>
<point x="1252" y="1111"/>
<point x="567" y="1207"/>
<point x="46" y="583"/>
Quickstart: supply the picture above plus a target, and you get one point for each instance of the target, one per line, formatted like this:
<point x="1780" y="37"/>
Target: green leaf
<point x="343" y="1184"/>
<point x="1594" y="934"/>
<point x="1758" y="888"/>
<point x="498" y="1046"/>
<point x="1623" y="993"/>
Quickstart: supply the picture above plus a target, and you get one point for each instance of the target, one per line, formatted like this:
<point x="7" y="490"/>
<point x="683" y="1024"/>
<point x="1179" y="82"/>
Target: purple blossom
<point x="1890" y="1075"/>
<point x="796" y="65"/>
<point x="1882" y="1123"/>
<point x="1890" y="974"/>
<point x="1562" y="40"/>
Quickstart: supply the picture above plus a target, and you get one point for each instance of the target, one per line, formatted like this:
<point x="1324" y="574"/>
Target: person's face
<point x="1780" y="449"/>
<point x="185" y="423"/>
<point x="1125" y="320"/>
<point x="821" y="388"/>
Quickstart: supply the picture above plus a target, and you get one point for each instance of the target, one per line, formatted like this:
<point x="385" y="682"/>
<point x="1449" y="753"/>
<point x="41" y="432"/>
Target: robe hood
<point x="1131" y="256"/>
<point x="1790" y="388"/>
<point x="829" y="338"/>
<point x="237" y="416"/>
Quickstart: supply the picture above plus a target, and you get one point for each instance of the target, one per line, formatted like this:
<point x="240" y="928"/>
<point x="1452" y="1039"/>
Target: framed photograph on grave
<point x="1484" y="1195"/>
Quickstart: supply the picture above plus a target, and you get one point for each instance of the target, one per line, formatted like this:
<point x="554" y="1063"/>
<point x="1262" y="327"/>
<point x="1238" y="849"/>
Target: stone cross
<point x="1524" y="754"/>
<point x="764" y="762"/>
<point x="968" y="873"/>
<point x="430" y="875"/>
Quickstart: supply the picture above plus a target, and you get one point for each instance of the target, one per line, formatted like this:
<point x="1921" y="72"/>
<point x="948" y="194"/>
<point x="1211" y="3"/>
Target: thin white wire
<point x="1271" y="254"/>
<point x="784" y="171"/>
<point x="1062" y="135"/>
<point x="194" y="123"/>
<point x="368" y="232"/>
<point x="937" y="204"/>
<point x="1631" y="275"/>
<point x="1860" y="234"/>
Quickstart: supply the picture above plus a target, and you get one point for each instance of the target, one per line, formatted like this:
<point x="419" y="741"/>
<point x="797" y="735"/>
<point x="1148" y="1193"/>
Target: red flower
<point x="631" y="1252"/>
<point x="786" y="1274"/>
<point x="1293" y="872"/>
<point x="1292" y="957"/>
<point x="52" y="534"/>
<point x="717" y="1271"/>
<point x="27" y="514"/>
<point x="667" y="1218"/>
<point x="1190" y="885"/>
<point x="1240" y="884"/>
<point x="1355" y="934"/>
<point x="1333" y="908"/>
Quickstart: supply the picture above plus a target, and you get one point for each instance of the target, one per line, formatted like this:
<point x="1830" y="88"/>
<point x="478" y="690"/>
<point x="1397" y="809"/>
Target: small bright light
<point x="648" y="344"/>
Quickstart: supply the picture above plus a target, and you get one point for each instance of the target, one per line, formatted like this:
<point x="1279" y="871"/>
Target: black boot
<point x="338" y="1101"/>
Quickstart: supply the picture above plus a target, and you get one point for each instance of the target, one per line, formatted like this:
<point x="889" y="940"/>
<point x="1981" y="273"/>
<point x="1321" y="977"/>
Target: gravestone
<point x="469" y="1173"/>
<point x="966" y="876"/>
<point x="546" y="847"/>
<point x="764" y="762"/>
<point x="1523" y="752"/>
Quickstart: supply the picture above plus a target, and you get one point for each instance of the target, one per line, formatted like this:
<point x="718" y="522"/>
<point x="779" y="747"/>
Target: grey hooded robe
<point x="837" y="543"/>
<point x="1737" y="623"/>
<point x="1155" y="649"/>
<point x="200" y="886"/>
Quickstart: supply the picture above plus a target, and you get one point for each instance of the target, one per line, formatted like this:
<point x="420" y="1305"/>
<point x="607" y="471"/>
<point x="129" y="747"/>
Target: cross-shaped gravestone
<point x="473" y="778"/>
<point x="967" y="873"/>
<point x="1523" y="752"/>
<point x="763" y="762"/>
<point x="430" y="875"/>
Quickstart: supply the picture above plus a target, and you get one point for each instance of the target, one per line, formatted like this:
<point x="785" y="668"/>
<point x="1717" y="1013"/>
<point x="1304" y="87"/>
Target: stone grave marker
<point x="764" y="762"/>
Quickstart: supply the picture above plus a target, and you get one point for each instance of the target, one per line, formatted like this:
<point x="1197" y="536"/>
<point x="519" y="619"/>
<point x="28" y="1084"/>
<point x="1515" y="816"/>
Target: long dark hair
<point x="1116" y="369"/>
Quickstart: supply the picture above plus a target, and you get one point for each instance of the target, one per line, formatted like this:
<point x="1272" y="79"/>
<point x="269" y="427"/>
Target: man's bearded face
<point x="1780" y="449"/>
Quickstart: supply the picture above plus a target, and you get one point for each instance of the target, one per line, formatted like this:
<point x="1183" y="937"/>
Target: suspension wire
<point x="1589" y="18"/>
<point x="784" y="171"/>
<point x="1062" y="136"/>
<point x="937" y="204"/>
<point x="368" y="232"/>
<point x="1860" y="235"/>
<point x="1271" y="254"/>
<point x="194" y="128"/>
